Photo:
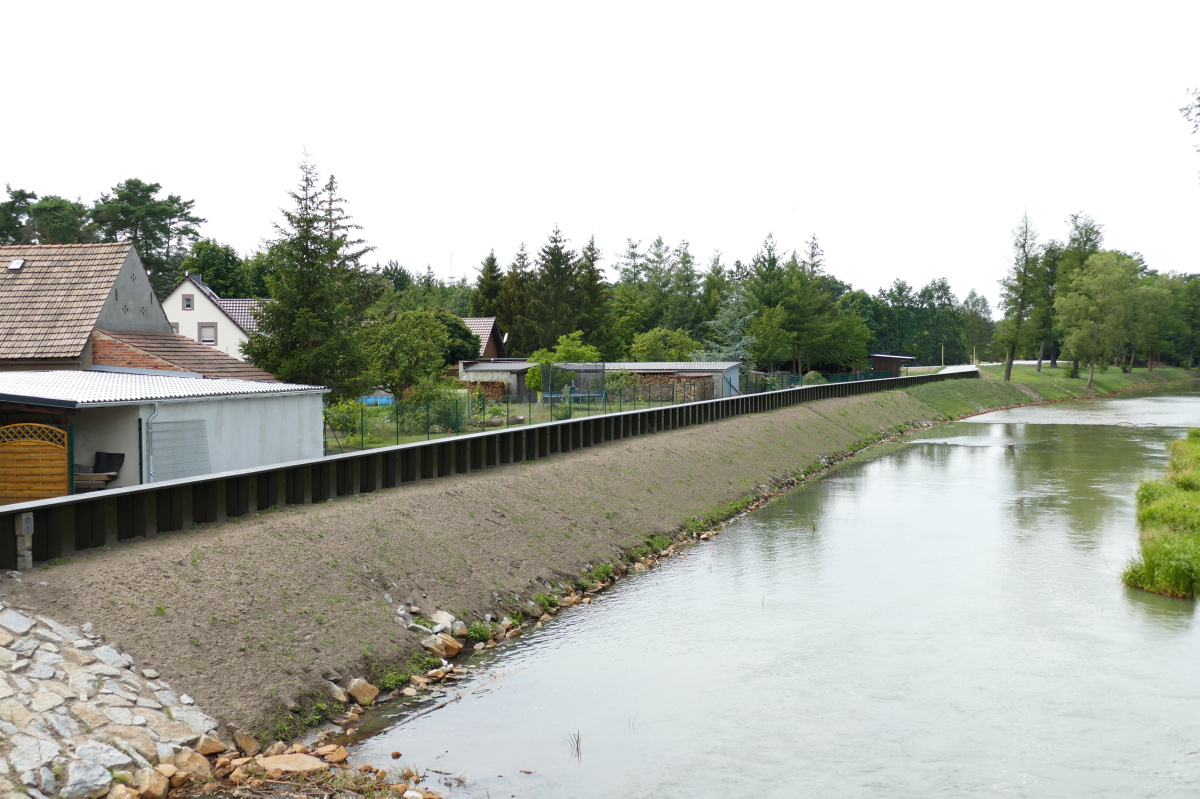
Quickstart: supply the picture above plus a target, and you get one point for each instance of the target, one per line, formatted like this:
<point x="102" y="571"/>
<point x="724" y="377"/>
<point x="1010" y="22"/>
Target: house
<point x="890" y="363"/>
<point x="52" y="296"/>
<point x="133" y="350"/>
<point x="147" y="427"/>
<point x="194" y="310"/>
<point x="491" y="341"/>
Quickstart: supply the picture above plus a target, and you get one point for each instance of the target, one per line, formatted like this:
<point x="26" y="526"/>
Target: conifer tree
<point x="485" y="299"/>
<point x="512" y="311"/>
<point x="554" y="302"/>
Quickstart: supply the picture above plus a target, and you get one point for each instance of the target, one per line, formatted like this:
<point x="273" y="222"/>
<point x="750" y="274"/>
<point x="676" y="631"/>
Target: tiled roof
<point x="670" y="366"/>
<point x="114" y="388"/>
<point x="241" y="311"/>
<point x="49" y="306"/>
<point x="191" y="356"/>
<point x="480" y="326"/>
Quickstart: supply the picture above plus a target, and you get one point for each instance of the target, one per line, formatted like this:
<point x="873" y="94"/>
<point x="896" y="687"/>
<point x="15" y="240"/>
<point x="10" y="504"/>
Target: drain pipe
<point x="150" y="442"/>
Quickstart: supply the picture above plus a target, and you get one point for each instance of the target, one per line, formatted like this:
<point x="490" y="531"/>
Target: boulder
<point x="277" y="748"/>
<point x="207" y="745"/>
<point x="121" y="791"/>
<point x="246" y="743"/>
<point x="16" y="622"/>
<point x="458" y="629"/>
<point x="109" y="656"/>
<point x="105" y="755"/>
<point x="193" y="718"/>
<point x="338" y="755"/>
<point x="191" y="761"/>
<point x="293" y="764"/>
<point x="86" y="779"/>
<point x="168" y="730"/>
<point x="363" y="692"/>
<point x="135" y="738"/>
<point x="337" y="693"/>
<point x="151" y="784"/>
<point x="442" y="617"/>
<point x="30" y="754"/>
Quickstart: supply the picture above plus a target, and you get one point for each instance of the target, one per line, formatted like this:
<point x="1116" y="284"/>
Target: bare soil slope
<point x="247" y="615"/>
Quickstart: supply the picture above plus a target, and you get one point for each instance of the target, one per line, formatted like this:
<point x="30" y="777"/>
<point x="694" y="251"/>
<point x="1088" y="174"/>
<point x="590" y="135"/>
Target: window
<point x="175" y="326"/>
<point x="189" y="302"/>
<point x="208" y="333"/>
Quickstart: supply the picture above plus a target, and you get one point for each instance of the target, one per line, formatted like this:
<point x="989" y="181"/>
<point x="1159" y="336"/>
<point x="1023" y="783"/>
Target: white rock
<point x="138" y="721"/>
<point x="64" y="726"/>
<point x="150" y="674"/>
<point x="118" y="715"/>
<point x="194" y="719"/>
<point x="150" y="703"/>
<point x="442" y="617"/>
<point x="17" y="666"/>
<point x="47" y="635"/>
<point x="61" y="630"/>
<point x="19" y="623"/>
<point x="43" y="701"/>
<point x="337" y="693"/>
<point x="25" y="645"/>
<point x="85" y="779"/>
<point x="47" y="658"/>
<point x="168" y="698"/>
<point x="29" y="753"/>
<point x="40" y="672"/>
<point x="105" y="755"/>
<point x="46" y="778"/>
<point x="87" y="628"/>
<point x="187" y="700"/>
<point x="109" y="656"/>
<point x="412" y="795"/>
<point x="82" y="643"/>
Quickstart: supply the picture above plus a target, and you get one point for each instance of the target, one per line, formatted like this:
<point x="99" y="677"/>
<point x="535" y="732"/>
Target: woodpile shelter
<point x="890" y="363"/>
<point x="110" y="429"/>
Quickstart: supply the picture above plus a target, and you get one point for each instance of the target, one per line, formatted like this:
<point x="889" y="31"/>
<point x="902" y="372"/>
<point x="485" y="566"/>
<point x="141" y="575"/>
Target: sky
<point x="909" y="138"/>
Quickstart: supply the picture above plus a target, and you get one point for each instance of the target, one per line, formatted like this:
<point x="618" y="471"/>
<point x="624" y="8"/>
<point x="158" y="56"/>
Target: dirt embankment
<point x="247" y="615"/>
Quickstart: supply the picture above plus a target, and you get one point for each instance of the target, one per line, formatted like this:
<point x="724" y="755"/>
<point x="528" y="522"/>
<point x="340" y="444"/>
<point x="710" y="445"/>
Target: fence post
<point x="396" y="415"/>
<point x="426" y="420"/>
<point x="457" y="424"/>
<point x="362" y="427"/>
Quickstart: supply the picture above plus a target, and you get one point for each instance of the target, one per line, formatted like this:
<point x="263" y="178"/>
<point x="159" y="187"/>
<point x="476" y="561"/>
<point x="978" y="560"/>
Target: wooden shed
<point x="890" y="363"/>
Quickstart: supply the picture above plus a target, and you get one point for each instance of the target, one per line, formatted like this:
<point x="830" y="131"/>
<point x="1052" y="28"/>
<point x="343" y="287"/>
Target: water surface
<point x="945" y="619"/>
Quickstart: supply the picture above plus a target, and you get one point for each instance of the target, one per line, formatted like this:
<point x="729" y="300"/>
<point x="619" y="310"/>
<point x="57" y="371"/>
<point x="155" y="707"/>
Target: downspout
<point x="150" y="442"/>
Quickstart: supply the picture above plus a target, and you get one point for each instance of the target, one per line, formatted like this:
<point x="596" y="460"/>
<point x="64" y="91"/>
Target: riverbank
<point x="252" y="616"/>
<point x="1169" y="513"/>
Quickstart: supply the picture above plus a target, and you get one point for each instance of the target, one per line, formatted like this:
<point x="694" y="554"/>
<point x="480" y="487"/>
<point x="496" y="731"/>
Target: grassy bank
<point x="1169" y="513"/>
<point x="1054" y="384"/>
<point x="248" y="615"/>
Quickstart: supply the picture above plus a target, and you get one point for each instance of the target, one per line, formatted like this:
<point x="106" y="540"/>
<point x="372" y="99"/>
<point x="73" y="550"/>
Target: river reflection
<point x="946" y="619"/>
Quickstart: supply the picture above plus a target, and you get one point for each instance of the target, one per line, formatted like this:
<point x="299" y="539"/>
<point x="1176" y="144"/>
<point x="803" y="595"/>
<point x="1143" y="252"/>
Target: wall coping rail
<point x="42" y="530"/>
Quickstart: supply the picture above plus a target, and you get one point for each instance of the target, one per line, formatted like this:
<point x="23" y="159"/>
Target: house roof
<point x="86" y="388"/>
<point x="241" y="311"/>
<point x="499" y="366"/>
<point x="49" y="306"/>
<point x="483" y="326"/>
<point x="671" y="366"/>
<point x="191" y="356"/>
<point x="897" y="357"/>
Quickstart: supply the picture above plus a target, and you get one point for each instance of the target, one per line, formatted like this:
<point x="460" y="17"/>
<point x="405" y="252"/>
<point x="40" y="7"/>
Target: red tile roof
<point x="189" y="355"/>
<point x="241" y="311"/>
<point x="483" y="326"/>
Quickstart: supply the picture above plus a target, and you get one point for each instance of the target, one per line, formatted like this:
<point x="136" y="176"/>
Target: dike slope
<point x="247" y="615"/>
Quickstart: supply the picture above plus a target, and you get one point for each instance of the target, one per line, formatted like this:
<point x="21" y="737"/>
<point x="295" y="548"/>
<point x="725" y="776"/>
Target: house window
<point x="189" y="302"/>
<point x="175" y="326"/>
<point x="208" y="334"/>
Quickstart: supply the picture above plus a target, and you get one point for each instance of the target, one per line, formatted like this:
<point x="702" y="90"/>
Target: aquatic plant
<point x="1169" y="513"/>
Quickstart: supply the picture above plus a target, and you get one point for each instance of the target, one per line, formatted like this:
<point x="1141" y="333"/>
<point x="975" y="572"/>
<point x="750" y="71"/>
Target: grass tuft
<point x="1169" y="513"/>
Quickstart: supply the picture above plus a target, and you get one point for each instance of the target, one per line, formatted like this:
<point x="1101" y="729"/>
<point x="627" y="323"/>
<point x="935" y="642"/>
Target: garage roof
<point x="85" y="388"/>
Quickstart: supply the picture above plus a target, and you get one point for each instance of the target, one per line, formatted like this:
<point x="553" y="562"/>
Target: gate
<point x="33" y="463"/>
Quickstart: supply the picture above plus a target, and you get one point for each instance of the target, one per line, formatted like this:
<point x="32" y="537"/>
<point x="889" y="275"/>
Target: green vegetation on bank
<point x="1057" y="383"/>
<point x="1169" y="513"/>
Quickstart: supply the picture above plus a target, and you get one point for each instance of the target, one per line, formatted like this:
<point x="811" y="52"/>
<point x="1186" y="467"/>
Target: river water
<point x="944" y="619"/>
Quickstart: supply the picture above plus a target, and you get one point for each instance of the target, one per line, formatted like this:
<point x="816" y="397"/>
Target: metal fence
<point x="42" y="530"/>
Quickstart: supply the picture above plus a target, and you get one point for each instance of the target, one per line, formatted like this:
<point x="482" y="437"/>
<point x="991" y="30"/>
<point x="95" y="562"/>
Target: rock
<point x="168" y="698"/>
<point x="16" y="622"/>
<point x="86" y="779"/>
<point x="150" y="674"/>
<point x="166" y="752"/>
<point x="121" y="791"/>
<point x="44" y="700"/>
<point x="191" y="761"/>
<point x="505" y="623"/>
<point x="294" y="764"/>
<point x="39" y="672"/>
<point x="207" y="745"/>
<point x="458" y="629"/>
<point x="187" y="700"/>
<point x="151" y="784"/>
<point x="109" y="656"/>
<point x="338" y="755"/>
<point x="136" y="739"/>
<point x="166" y="769"/>
<point x="119" y="715"/>
<point x="64" y="726"/>
<point x="168" y="730"/>
<point x="412" y="795"/>
<point x="246" y="743"/>
<point x="515" y="632"/>
<point x="194" y="719"/>
<point x="409" y="692"/>
<point x="439" y="628"/>
<point x="363" y="692"/>
<point x="103" y="754"/>
<point x="442" y="617"/>
<point x="47" y="658"/>
<point x="30" y="754"/>
<point x="442" y="645"/>
<point x="180" y="779"/>
<point x="5" y="638"/>
<point x="275" y="749"/>
<point x="337" y="693"/>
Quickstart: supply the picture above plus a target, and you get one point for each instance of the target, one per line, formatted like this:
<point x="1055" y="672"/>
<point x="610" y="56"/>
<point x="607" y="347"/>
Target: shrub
<point x="479" y="632"/>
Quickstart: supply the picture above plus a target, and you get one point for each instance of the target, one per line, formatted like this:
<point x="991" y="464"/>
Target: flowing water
<point x="945" y="619"/>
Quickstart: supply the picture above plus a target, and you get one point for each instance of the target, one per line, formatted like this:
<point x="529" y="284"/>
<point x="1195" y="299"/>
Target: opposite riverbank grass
<point x="248" y="615"/>
<point x="1169" y="513"/>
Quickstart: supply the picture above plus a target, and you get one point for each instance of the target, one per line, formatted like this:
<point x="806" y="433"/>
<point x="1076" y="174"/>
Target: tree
<point x="772" y="341"/>
<point x="308" y="331"/>
<point x="513" y="311"/>
<point x="161" y="229"/>
<point x="568" y="349"/>
<point x="1148" y="315"/>
<point x="405" y="351"/>
<point x="55" y="220"/>
<point x="713" y="289"/>
<point x="485" y="299"/>
<point x="1085" y="240"/>
<point x="1191" y="112"/>
<point x="258" y="268"/>
<point x="591" y="299"/>
<point x="396" y="275"/>
<point x="1092" y="308"/>
<point x="461" y="343"/>
<point x="1019" y="289"/>
<point x="553" y="301"/>
<point x="14" y="215"/>
<point x="220" y="267"/>
<point x="729" y="337"/>
<point x="940" y="337"/>
<point x="681" y="306"/>
<point x="661" y="344"/>
<point x="977" y="324"/>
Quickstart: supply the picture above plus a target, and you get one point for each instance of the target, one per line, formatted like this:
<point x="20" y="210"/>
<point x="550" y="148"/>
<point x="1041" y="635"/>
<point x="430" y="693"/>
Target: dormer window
<point x="189" y="302"/>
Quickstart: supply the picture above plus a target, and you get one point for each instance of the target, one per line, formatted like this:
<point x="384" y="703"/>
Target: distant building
<point x="890" y="363"/>
<point x="491" y="341"/>
<point x="194" y="310"/>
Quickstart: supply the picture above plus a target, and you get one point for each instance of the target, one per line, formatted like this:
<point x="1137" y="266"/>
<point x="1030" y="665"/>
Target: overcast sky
<point x="909" y="137"/>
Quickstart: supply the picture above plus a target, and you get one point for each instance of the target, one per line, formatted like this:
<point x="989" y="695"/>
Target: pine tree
<point x="554" y="302"/>
<point x="513" y="312"/>
<point x="308" y="329"/>
<point x="485" y="299"/>
<point x="592" y="299"/>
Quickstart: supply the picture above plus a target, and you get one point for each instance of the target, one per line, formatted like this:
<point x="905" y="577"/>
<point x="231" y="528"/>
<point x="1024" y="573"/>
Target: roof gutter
<point x="44" y="402"/>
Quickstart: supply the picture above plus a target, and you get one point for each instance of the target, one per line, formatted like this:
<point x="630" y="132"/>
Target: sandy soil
<point x="247" y="615"/>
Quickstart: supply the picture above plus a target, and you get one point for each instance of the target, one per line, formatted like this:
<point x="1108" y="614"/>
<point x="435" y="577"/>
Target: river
<point x="946" y="618"/>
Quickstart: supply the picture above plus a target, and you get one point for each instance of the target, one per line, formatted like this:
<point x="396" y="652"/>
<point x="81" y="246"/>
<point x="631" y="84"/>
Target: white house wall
<point x="244" y="433"/>
<point x="204" y="311"/>
<point x="111" y="429"/>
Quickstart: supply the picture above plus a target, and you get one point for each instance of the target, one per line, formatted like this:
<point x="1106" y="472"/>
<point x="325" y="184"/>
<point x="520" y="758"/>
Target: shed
<point x="500" y="376"/>
<point x="724" y="374"/>
<point x="890" y="363"/>
<point x="168" y="425"/>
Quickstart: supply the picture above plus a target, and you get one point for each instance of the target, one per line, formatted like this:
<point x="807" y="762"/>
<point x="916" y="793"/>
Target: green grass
<point x="1169" y="513"/>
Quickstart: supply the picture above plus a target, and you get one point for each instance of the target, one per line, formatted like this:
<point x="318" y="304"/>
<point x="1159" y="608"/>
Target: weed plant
<point x="1169" y="513"/>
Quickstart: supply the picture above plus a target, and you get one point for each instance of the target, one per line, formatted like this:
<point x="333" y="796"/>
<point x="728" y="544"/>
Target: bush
<point x="1170" y="511"/>
<point x="344" y="416"/>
